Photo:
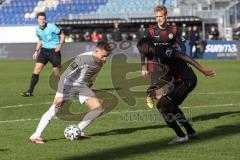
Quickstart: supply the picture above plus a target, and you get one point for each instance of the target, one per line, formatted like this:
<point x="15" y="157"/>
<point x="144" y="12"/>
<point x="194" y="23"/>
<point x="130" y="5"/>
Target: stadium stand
<point x="16" y="12"/>
<point x="23" y="12"/>
<point x="130" y="6"/>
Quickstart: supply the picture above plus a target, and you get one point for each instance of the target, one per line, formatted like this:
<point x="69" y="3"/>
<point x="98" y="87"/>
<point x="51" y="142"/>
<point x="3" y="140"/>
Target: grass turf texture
<point x="140" y="134"/>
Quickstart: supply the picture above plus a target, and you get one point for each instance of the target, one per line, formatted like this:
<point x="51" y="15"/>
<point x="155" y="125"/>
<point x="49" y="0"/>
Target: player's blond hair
<point x="160" y="8"/>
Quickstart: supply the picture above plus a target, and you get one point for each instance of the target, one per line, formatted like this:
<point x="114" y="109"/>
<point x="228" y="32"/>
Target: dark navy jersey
<point x="166" y="41"/>
<point x="166" y="38"/>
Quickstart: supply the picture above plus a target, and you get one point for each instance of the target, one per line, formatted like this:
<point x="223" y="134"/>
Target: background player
<point x="74" y="81"/>
<point x="185" y="82"/>
<point x="164" y="36"/>
<point x="50" y="41"/>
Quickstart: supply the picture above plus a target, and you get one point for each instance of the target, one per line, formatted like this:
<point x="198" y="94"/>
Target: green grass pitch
<point x="128" y="132"/>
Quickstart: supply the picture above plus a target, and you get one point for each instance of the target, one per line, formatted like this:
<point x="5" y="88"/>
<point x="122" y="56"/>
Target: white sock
<point x="89" y="117"/>
<point x="46" y="118"/>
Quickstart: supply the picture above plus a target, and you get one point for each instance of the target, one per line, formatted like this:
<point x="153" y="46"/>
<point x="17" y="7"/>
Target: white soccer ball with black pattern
<point x="72" y="132"/>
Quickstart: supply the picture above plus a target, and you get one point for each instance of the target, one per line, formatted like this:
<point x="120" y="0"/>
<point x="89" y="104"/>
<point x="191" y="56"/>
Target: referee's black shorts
<point x="50" y="55"/>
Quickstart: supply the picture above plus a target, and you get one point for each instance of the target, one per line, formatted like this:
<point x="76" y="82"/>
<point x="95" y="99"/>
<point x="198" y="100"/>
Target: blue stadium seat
<point x="14" y="12"/>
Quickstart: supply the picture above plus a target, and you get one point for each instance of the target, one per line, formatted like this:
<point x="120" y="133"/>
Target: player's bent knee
<point x="161" y="103"/>
<point x="37" y="69"/>
<point x="56" y="72"/>
<point x="93" y="103"/>
<point x="164" y="105"/>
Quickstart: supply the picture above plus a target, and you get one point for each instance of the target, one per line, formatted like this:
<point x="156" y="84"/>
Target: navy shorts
<point x="182" y="87"/>
<point x="50" y="55"/>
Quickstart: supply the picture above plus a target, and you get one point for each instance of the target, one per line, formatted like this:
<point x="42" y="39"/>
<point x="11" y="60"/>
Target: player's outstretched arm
<point x="207" y="72"/>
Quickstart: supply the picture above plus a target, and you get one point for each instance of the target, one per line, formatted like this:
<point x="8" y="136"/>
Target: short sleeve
<point x="55" y="29"/>
<point x="37" y="34"/>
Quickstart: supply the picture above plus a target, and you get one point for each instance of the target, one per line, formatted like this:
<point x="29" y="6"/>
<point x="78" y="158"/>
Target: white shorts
<point x="81" y="92"/>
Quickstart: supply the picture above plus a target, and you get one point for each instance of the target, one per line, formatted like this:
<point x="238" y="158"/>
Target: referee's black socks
<point x="34" y="81"/>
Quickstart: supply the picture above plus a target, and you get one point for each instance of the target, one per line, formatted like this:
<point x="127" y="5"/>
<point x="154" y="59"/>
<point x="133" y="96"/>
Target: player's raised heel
<point x="36" y="140"/>
<point x="178" y="140"/>
<point x="150" y="102"/>
<point x="26" y="94"/>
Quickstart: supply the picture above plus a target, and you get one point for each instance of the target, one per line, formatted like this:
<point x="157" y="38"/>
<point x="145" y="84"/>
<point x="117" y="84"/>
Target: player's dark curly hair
<point x="146" y="47"/>
<point x="104" y="46"/>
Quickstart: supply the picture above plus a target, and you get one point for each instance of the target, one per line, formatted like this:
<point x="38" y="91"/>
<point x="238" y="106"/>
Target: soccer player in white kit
<point x="76" y="79"/>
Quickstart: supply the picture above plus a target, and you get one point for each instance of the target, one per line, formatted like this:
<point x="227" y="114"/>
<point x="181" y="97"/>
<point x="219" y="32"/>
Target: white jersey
<point x="82" y="70"/>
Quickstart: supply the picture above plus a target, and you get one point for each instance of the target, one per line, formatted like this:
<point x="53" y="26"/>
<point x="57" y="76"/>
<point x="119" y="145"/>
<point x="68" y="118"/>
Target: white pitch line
<point x="19" y="120"/>
<point x="213" y="106"/>
<point x="24" y="105"/>
<point x="44" y="103"/>
<point x="142" y="110"/>
<point x="22" y="120"/>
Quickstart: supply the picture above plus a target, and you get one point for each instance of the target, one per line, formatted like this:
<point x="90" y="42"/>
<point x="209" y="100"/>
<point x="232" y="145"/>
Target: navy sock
<point x="171" y="122"/>
<point x="179" y="115"/>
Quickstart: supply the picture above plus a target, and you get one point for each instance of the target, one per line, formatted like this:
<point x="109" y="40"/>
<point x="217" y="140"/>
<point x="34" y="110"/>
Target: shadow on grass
<point x="155" y="145"/>
<point x="112" y="132"/>
<point x="194" y="119"/>
<point x="4" y="150"/>
<point x="62" y="138"/>
<point x="127" y="130"/>
<point x="54" y="139"/>
<point x="116" y="132"/>
<point x="131" y="130"/>
<point x="206" y="117"/>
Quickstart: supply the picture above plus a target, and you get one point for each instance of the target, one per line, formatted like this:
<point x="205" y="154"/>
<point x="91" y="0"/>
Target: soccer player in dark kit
<point x="164" y="36"/>
<point x="160" y="49"/>
<point x="184" y="82"/>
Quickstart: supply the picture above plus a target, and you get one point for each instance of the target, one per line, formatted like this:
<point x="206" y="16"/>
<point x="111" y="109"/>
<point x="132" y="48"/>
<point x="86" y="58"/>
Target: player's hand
<point x="144" y="72"/>
<point x="208" y="72"/>
<point x="58" y="48"/>
<point x="35" y="54"/>
<point x="58" y="101"/>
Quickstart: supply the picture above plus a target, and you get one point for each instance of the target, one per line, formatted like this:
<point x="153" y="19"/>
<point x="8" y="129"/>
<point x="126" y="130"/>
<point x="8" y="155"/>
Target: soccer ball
<point x="72" y="132"/>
